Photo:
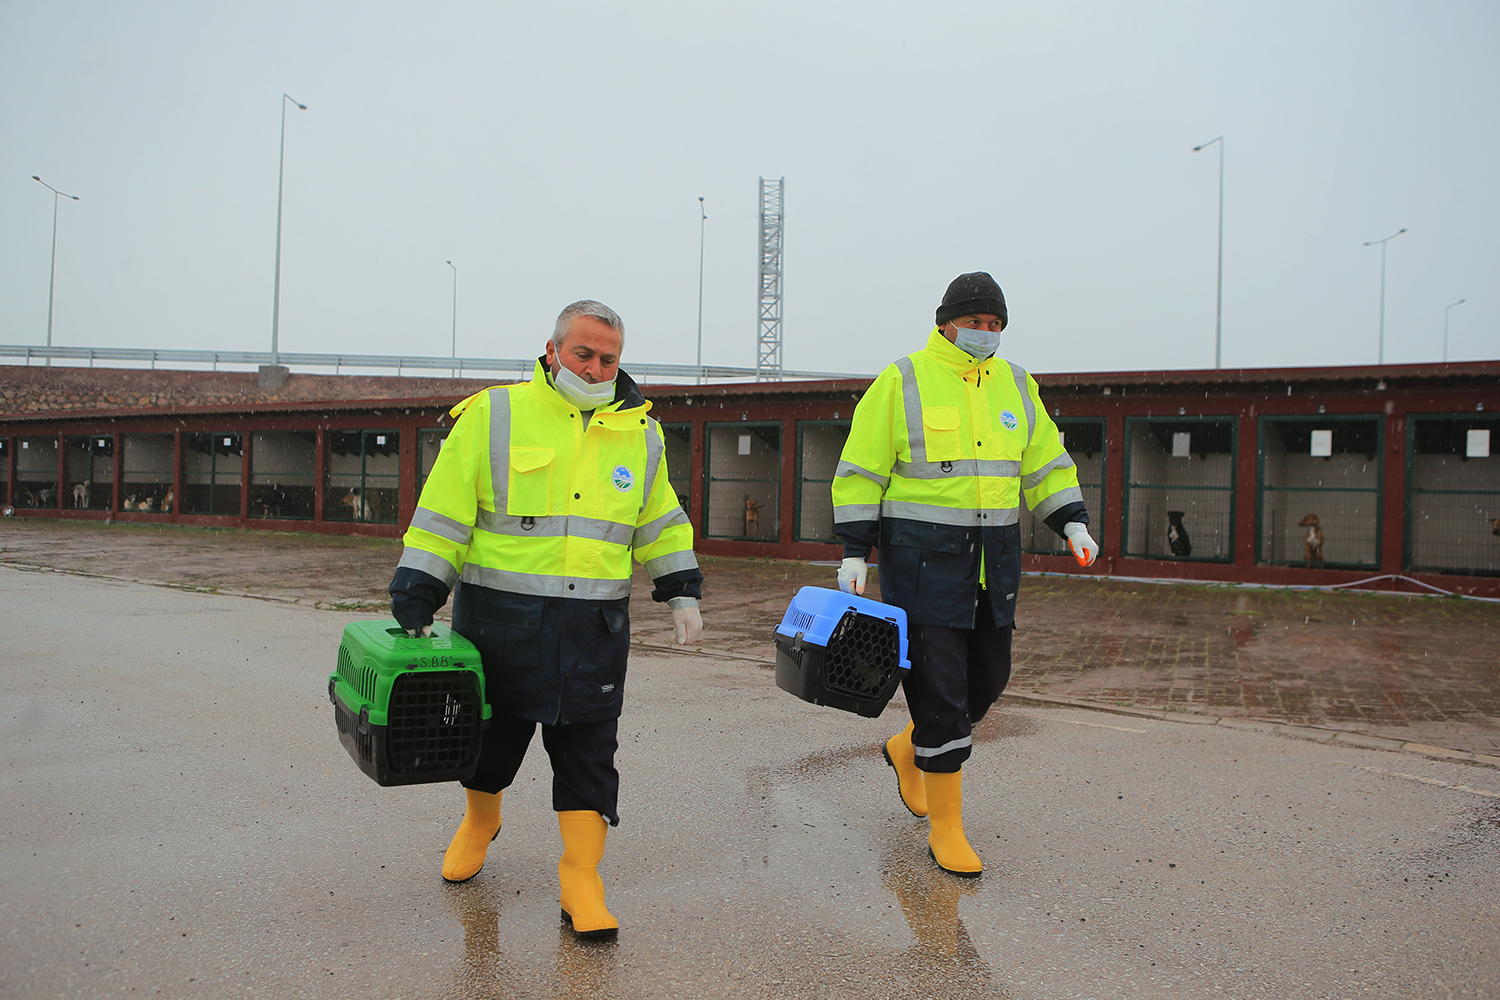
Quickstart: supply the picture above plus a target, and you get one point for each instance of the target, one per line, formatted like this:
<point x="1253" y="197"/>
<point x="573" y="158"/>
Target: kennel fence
<point x="743" y="499"/>
<point x="1453" y="494"/>
<point x="1180" y="488"/>
<point x="1318" y="497"/>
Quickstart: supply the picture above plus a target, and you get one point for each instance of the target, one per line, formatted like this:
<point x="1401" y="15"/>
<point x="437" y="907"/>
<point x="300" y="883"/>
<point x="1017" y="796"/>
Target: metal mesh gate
<point x="1179" y="488"/>
<point x="1319" y="491"/>
<point x="1453" y="494"/>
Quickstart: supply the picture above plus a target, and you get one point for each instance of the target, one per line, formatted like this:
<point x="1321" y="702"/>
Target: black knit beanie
<point x="972" y="295"/>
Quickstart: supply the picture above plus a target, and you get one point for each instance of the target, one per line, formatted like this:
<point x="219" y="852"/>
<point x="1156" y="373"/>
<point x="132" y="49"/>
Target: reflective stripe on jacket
<point x="524" y="499"/>
<point x="941" y="450"/>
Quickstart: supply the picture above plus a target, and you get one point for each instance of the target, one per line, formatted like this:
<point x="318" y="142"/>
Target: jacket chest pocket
<point x="530" y="482"/>
<point x="940" y="433"/>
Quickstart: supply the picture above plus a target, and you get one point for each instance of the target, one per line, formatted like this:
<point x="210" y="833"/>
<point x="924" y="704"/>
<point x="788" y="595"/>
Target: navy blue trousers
<point x="956" y="675"/>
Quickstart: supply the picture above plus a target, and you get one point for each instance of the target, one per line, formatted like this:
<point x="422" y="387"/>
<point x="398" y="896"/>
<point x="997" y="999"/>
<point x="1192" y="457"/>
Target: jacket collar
<point x="950" y="355"/>
<point x="628" y="395"/>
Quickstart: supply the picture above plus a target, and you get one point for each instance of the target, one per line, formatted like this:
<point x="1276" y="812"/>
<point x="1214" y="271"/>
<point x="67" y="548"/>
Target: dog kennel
<point x="362" y="478"/>
<point x="1453" y="494"/>
<point x="744" y="481"/>
<point x="819" y="445"/>
<point x="1318" y="497"/>
<point x="1084" y="440"/>
<point x="213" y="472"/>
<point x="283" y="470"/>
<point x="1180" y="488"/>
<point x="91" y="471"/>
<point x="146" y="477"/>
<point x="36" y="472"/>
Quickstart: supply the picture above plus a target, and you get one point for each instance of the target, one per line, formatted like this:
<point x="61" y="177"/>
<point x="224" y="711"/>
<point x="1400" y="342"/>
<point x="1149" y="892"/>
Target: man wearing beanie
<point x="942" y="447"/>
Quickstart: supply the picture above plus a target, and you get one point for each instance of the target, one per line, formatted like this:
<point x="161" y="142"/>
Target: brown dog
<point x="752" y="518"/>
<point x="1312" y="545"/>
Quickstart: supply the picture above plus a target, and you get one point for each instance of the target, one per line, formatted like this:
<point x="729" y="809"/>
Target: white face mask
<point x="584" y="395"/>
<point x="980" y="343"/>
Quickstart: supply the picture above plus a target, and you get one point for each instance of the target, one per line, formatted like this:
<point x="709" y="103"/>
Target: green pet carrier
<point x="409" y="710"/>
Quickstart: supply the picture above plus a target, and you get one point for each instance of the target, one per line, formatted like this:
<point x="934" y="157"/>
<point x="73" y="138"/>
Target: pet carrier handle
<point x="402" y="633"/>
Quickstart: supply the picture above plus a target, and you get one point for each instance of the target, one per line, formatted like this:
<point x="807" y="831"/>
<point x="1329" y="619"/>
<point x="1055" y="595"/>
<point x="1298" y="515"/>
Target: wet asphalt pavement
<point x="180" y="820"/>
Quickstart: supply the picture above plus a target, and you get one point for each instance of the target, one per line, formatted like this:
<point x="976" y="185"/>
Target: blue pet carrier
<point x="840" y="650"/>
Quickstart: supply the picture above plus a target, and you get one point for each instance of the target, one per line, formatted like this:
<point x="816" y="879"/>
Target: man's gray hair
<point x="587" y="307"/>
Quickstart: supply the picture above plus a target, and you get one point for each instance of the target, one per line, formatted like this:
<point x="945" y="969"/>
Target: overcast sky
<point x="556" y="151"/>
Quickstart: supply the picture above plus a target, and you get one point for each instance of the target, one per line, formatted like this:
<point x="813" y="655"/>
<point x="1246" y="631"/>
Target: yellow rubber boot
<point x="909" y="781"/>
<point x="481" y="824"/>
<point x="946" y="842"/>
<point x="578" y="872"/>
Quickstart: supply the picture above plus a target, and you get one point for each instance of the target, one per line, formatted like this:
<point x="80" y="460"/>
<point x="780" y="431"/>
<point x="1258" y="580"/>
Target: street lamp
<point x="1446" y="310"/>
<point x="1380" y="355"/>
<point x="52" y="278"/>
<point x="702" y="222"/>
<point x="450" y="263"/>
<point x="1219" y="297"/>
<point x="280" y="182"/>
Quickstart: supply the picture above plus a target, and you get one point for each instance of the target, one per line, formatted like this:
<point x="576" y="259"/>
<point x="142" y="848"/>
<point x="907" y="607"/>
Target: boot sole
<point x="951" y="871"/>
<point x="461" y="881"/>
<point x="886" y="753"/>
<point x="595" y="935"/>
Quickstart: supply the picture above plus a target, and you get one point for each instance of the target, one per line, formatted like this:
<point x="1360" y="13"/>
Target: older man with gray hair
<point x="539" y="499"/>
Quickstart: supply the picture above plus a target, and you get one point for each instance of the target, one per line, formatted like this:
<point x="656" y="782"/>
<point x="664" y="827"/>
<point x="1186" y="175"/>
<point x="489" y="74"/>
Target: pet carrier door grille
<point x="863" y="655"/>
<point x="433" y="721"/>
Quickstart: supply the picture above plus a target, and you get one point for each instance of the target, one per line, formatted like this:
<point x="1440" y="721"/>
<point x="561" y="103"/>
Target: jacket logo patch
<point x="1008" y="420"/>
<point x="606" y="688"/>
<point x="623" y="479"/>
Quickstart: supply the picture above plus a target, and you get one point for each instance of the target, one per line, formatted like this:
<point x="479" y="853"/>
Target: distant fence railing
<point x="459" y="367"/>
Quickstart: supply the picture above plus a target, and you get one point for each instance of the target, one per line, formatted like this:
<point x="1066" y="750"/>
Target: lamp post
<point x="52" y="277"/>
<point x="1446" y="309"/>
<point x="1380" y="354"/>
<point x="280" y="181"/>
<point x="702" y="222"/>
<point x="1219" y="295"/>
<point x="450" y="263"/>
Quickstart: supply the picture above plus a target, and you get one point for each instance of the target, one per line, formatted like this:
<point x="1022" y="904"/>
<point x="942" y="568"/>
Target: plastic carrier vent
<point x="840" y="650"/>
<point x="409" y="710"/>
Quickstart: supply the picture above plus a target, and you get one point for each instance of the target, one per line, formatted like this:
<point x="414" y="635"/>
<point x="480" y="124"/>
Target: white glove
<point x="852" y="576"/>
<point x="686" y="620"/>
<point x="1083" y="547"/>
<point x="420" y="633"/>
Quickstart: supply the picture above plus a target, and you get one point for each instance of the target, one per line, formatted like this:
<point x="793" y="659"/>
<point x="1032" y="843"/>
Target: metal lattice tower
<point x="768" y="345"/>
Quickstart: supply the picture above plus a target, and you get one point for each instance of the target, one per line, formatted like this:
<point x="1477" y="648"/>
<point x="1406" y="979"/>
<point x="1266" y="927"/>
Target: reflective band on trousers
<point x="962" y="741"/>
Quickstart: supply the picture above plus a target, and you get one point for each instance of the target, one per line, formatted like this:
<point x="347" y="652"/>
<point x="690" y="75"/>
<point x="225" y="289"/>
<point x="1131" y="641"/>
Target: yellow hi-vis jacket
<point x="524" y="499"/>
<point x="940" y="451"/>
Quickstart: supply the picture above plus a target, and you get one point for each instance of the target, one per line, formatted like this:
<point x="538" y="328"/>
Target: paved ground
<point x="1422" y="670"/>
<point x="177" y="819"/>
